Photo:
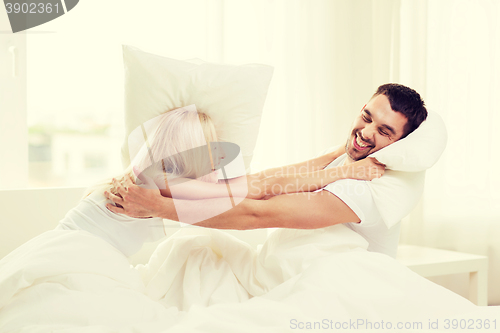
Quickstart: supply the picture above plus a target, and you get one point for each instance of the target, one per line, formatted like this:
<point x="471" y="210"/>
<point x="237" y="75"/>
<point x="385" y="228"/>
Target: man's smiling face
<point x="376" y="127"/>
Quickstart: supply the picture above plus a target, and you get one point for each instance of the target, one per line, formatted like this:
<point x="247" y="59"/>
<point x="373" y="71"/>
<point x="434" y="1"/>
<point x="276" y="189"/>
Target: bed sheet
<point x="204" y="280"/>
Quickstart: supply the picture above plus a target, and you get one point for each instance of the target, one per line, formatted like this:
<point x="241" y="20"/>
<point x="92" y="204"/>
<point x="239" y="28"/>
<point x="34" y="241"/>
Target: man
<point x="393" y="112"/>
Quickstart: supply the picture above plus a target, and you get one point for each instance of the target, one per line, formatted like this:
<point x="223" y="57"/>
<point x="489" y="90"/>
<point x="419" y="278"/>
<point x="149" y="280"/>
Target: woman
<point x="178" y="159"/>
<point x="168" y="135"/>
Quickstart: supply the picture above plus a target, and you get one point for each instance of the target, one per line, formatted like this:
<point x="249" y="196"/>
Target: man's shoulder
<point x="356" y="194"/>
<point x="352" y="188"/>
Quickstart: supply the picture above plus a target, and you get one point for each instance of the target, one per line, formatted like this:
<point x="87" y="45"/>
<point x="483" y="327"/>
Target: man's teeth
<point x="362" y="145"/>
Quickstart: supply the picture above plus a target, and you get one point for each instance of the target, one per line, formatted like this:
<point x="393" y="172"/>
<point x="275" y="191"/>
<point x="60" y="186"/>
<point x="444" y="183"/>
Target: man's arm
<point x="297" y="210"/>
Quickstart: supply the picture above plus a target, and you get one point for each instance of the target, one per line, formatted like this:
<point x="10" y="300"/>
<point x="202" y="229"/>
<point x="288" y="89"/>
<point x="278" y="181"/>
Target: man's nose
<point x="368" y="132"/>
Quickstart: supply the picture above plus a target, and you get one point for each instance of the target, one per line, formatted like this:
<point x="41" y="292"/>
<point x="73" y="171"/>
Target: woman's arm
<point x="192" y="189"/>
<point x="264" y="186"/>
<point x="293" y="177"/>
<point x="317" y="163"/>
<point x="311" y="165"/>
<point x="365" y="169"/>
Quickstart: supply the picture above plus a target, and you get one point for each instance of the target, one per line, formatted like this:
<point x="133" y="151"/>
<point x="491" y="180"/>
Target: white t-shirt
<point x="357" y="195"/>
<point x="126" y="233"/>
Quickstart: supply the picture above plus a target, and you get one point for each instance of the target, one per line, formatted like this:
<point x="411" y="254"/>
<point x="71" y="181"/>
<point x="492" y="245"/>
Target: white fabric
<point x="357" y="195"/>
<point x="397" y="192"/>
<point x="126" y="233"/>
<point x="233" y="96"/>
<point x="418" y="151"/>
<point x="205" y="280"/>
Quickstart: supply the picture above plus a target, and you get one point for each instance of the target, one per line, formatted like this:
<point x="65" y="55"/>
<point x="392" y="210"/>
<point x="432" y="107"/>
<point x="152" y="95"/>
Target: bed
<point x="205" y="280"/>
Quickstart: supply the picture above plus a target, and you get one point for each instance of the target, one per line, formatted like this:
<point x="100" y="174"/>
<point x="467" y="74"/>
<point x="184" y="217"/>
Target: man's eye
<point x="384" y="133"/>
<point x="366" y="119"/>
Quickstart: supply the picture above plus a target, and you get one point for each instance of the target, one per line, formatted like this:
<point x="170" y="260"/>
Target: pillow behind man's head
<point x="233" y="96"/>
<point x="398" y="191"/>
<point x="418" y="151"/>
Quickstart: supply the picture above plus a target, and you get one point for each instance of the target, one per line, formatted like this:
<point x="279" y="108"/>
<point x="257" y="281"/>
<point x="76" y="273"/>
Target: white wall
<point x="13" y="134"/>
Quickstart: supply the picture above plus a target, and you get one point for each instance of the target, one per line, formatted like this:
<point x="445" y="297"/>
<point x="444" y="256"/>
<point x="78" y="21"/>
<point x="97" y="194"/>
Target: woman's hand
<point x="366" y="169"/>
<point x="134" y="200"/>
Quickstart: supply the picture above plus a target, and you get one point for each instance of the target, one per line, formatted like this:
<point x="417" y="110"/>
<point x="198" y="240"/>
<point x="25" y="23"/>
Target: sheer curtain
<point x="460" y="206"/>
<point x="460" y="79"/>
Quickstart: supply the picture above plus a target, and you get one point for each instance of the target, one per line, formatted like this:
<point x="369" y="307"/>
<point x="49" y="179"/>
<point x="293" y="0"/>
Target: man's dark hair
<point x="407" y="101"/>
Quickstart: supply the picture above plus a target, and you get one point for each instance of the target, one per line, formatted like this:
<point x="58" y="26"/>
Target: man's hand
<point x="366" y="169"/>
<point x="135" y="200"/>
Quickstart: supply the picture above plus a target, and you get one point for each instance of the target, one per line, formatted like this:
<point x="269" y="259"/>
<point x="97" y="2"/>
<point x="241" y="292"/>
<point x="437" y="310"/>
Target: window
<point x="62" y="114"/>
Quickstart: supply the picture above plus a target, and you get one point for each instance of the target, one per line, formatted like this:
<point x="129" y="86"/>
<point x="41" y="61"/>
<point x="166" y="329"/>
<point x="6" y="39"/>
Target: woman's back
<point x="126" y="233"/>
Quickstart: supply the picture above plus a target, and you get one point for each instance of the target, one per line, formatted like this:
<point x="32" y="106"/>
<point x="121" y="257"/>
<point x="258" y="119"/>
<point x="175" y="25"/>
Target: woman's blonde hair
<point x="169" y="150"/>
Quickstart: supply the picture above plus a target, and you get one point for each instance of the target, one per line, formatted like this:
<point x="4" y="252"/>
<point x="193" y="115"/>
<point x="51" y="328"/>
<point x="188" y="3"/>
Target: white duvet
<point x="203" y="280"/>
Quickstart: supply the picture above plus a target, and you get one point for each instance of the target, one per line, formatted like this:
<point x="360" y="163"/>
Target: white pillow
<point x="398" y="191"/>
<point x="396" y="194"/>
<point x="233" y="96"/>
<point x="419" y="150"/>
